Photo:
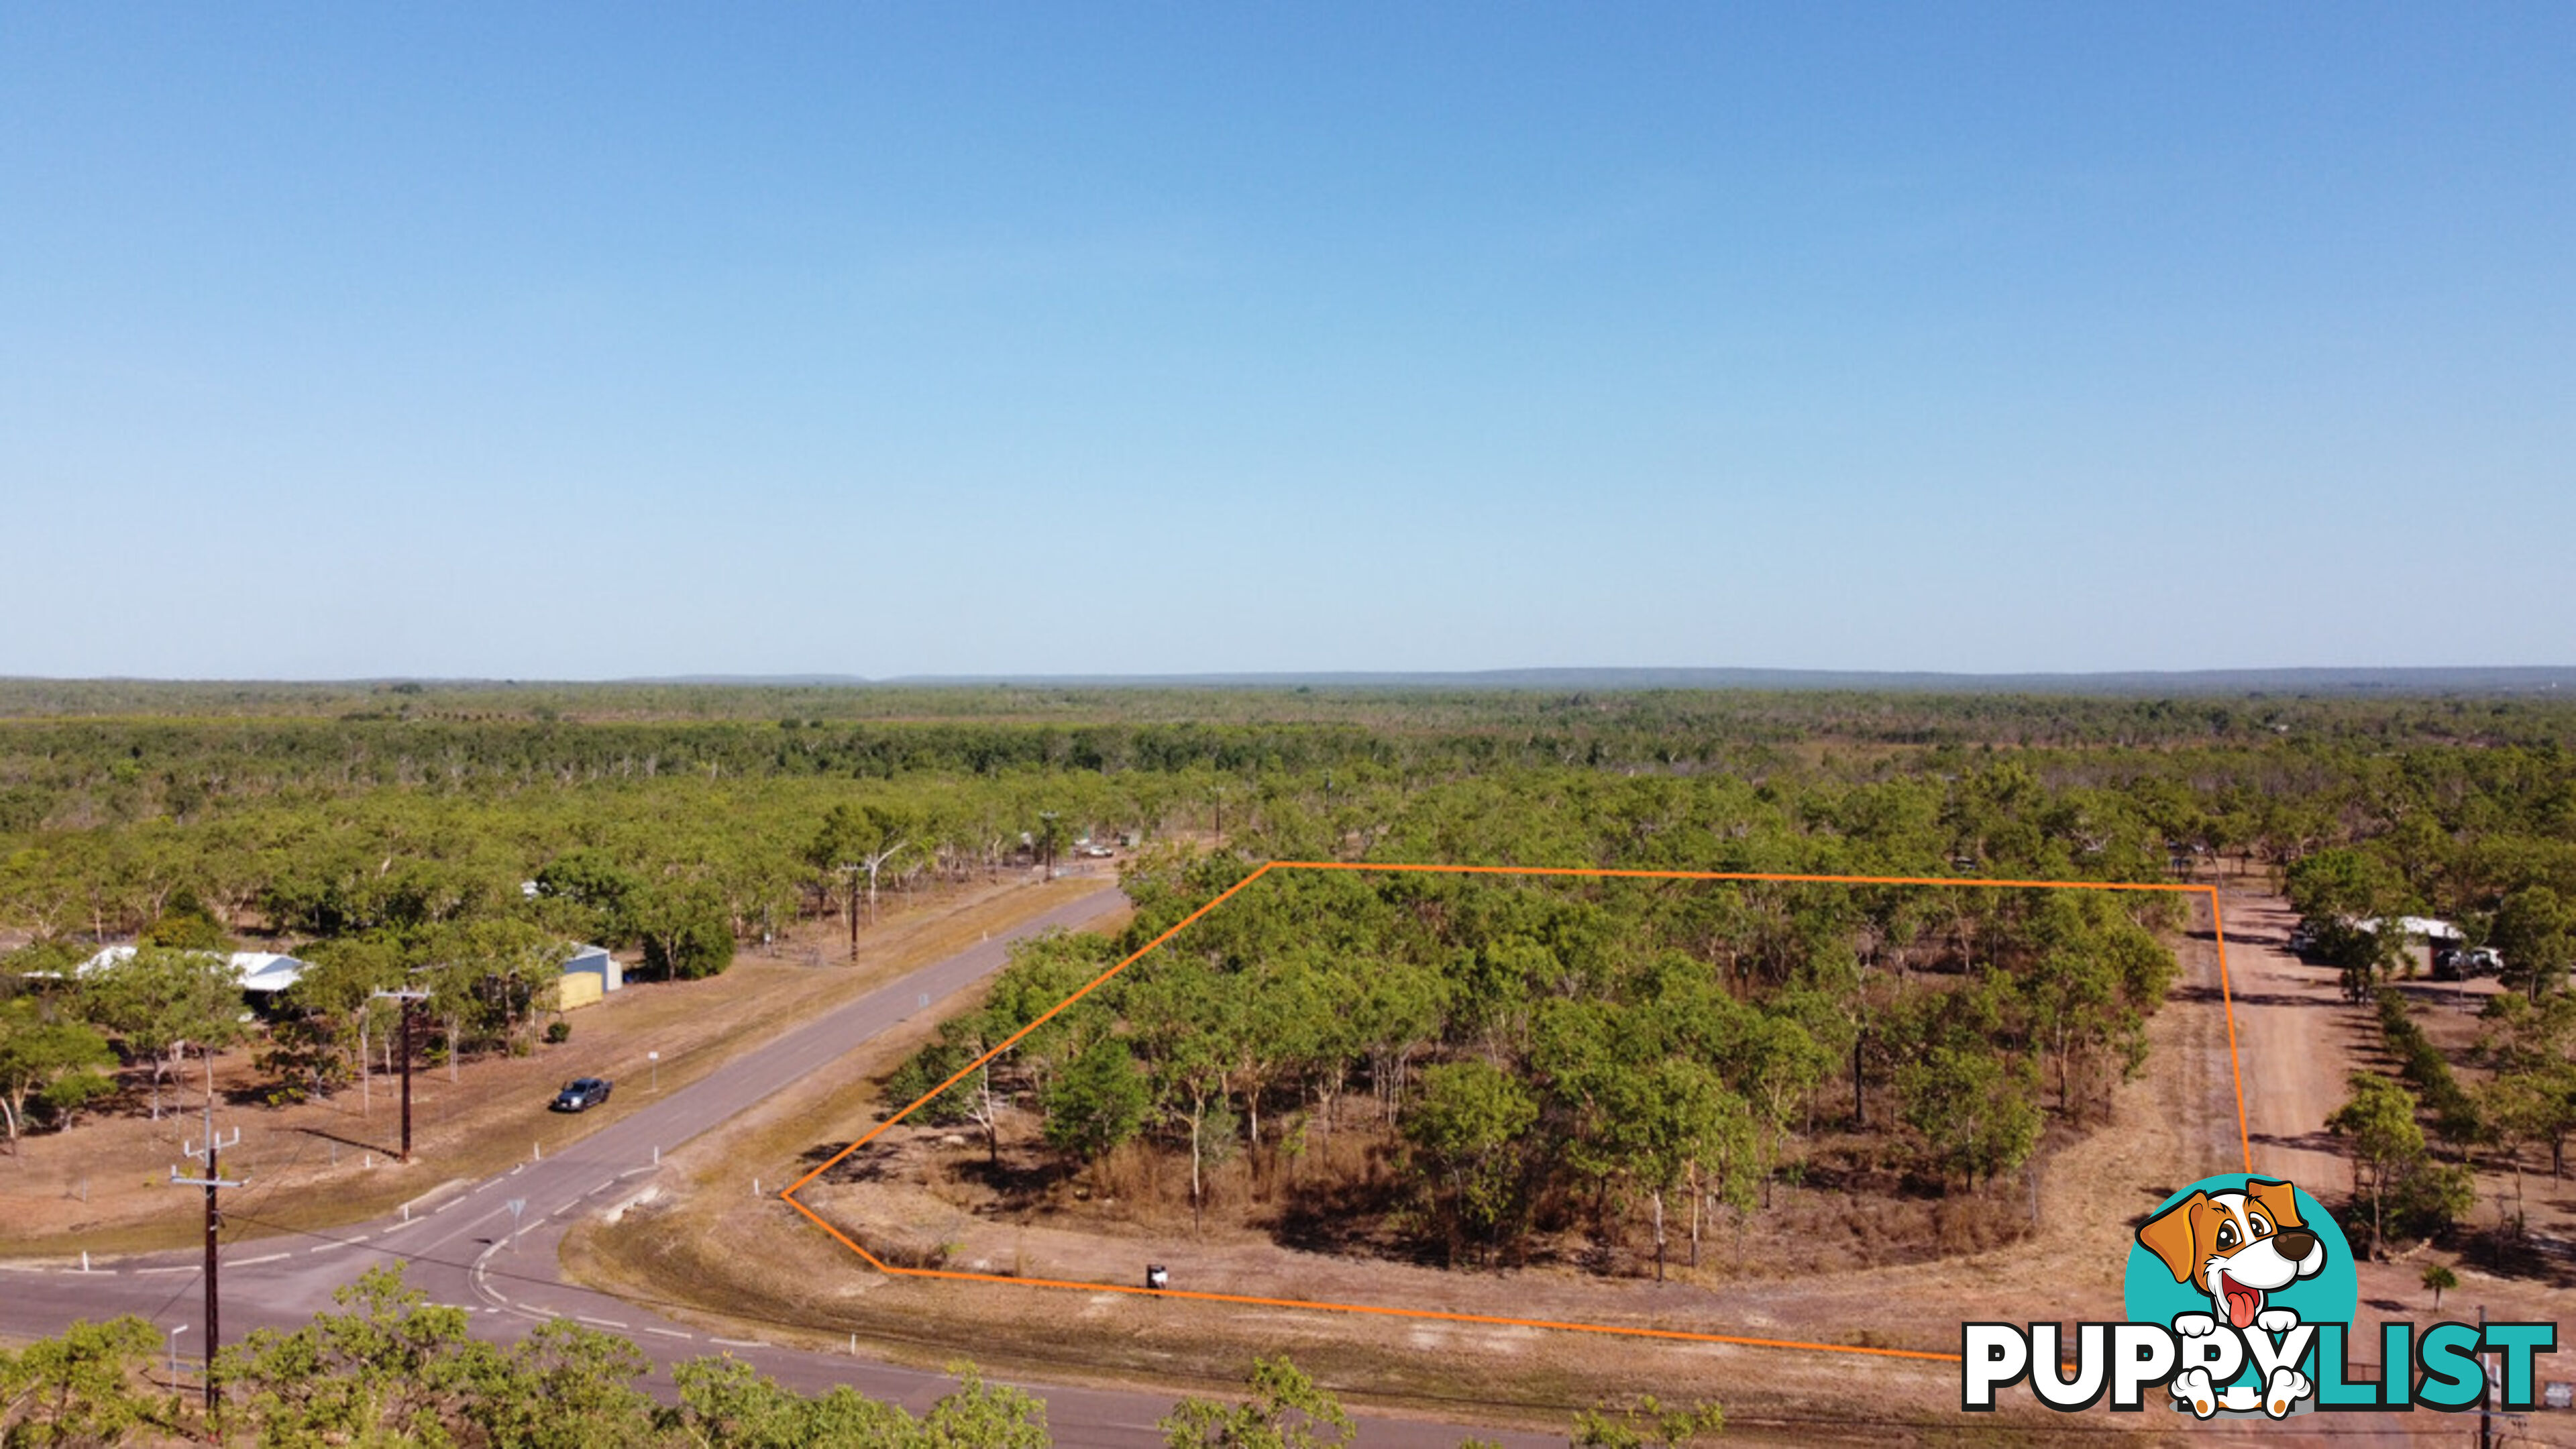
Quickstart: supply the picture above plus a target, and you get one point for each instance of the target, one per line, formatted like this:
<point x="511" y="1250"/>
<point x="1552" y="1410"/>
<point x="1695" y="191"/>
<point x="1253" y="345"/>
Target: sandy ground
<point x="2299" y="1041"/>
<point x="101" y="1186"/>
<point x="2296" y="1042"/>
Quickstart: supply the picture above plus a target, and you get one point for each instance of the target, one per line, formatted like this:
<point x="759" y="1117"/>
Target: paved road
<point x="458" y="1245"/>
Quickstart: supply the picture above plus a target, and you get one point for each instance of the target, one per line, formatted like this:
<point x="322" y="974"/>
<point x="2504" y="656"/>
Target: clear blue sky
<point x="550" y="341"/>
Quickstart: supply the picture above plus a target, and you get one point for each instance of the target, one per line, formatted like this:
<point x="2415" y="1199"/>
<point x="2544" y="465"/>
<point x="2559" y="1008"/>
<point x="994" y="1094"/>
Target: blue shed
<point x="596" y="961"/>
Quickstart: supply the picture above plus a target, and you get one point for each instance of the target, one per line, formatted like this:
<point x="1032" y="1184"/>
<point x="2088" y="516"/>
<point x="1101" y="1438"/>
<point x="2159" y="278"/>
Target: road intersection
<point x="466" y="1245"/>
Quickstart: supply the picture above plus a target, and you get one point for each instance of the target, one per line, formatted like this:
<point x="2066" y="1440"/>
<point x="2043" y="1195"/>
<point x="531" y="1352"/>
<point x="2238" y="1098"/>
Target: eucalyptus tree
<point x="160" y="1002"/>
<point x="390" y="1367"/>
<point x="36" y="891"/>
<point x="83" y="1386"/>
<point x="859" y="839"/>
<point x="2379" y="1121"/>
<point x="1973" y="1109"/>
<point x="47" y="1058"/>
<point x="2535" y="934"/>
<point x="1465" y="1126"/>
<point x="1190" y="1033"/>
<point x="1099" y="1101"/>
<point x="2076" y="998"/>
<point x="2534" y="1044"/>
<point x="1287" y="1410"/>
<point x="1037" y="991"/>
<point x="686" y="930"/>
<point x="340" y="985"/>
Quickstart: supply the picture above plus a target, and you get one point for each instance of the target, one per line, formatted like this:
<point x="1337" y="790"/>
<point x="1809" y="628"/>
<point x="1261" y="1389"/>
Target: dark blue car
<point x="581" y="1093"/>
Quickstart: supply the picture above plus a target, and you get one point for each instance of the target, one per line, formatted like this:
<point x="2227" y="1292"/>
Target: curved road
<point x="458" y="1245"/>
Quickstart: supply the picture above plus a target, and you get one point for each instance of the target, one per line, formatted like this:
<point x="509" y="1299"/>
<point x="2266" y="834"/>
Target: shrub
<point x="558" y="1032"/>
<point x="924" y="1070"/>
<point x="2422" y="1063"/>
<point x="686" y="938"/>
<point x="187" y="926"/>
<point x="2428" y="1197"/>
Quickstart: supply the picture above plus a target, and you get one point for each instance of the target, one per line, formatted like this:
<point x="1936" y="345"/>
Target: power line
<point x="276" y="1179"/>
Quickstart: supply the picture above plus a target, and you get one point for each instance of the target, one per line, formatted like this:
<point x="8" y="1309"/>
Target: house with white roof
<point x="2419" y="928"/>
<point x="261" y="973"/>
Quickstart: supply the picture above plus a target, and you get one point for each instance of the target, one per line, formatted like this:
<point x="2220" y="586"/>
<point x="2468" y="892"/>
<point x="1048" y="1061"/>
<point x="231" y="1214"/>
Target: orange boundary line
<point x="2218" y="933"/>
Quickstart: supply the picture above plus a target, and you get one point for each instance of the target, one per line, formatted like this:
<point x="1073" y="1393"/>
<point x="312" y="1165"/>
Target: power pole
<point x="851" y="872"/>
<point x="211" y="1182"/>
<point x="405" y="997"/>
<point x="2486" y="1394"/>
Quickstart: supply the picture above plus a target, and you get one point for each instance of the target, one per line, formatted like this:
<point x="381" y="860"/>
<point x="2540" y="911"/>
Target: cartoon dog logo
<point x="2239" y="1248"/>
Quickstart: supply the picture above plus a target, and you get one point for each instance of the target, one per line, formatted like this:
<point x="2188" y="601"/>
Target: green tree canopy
<point x="1464" y="1124"/>
<point x="161" y="1002"/>
<point x="2535" y="933"/>
<point x="2379" y="1120"/>
<point x="1974" y="1111"/>
<point x="1287" y="1410"/>
<point x="47" y="1060"/>
<point x="1647" y="1424"/>
<point x="685" y="930"/>
<point x="83" y="1386"/>
<point x="1098" y="1101"/>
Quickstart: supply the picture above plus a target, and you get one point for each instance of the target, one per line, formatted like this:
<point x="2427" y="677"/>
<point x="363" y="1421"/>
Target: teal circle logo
<point x="2236" y="1247"/>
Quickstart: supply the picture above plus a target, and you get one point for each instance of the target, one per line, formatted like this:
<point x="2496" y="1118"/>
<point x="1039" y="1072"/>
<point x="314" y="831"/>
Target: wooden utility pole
<point x="212" y="1182"/>
<point x="851" y="871"/>
<point x="405" y="997"/>
<point x="2486" y="1395"/>
<point x="870" y="863"/>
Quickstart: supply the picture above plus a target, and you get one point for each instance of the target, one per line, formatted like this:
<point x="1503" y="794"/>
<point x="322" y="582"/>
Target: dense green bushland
<point x="375" y="829"/>
<point x="1552" y="1053"/>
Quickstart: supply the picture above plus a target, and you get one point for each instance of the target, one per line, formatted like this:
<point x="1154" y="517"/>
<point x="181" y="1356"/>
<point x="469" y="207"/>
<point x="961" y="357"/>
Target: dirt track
<point x="2297" y="1040"/>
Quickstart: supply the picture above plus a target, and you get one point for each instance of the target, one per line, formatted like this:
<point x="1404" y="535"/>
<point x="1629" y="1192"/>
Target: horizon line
<point x="2329" y="678"/>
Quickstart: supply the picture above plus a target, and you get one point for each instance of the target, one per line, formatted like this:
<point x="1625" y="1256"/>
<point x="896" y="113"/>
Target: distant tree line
<point x="461" y="824"/>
